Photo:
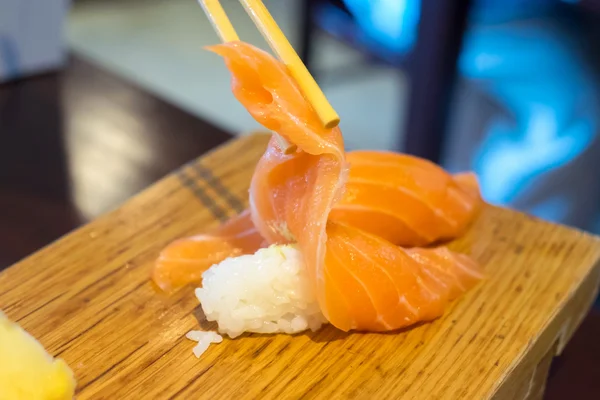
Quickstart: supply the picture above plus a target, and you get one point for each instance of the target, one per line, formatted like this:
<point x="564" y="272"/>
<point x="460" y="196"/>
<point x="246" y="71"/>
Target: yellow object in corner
<point x="27" y="371"/>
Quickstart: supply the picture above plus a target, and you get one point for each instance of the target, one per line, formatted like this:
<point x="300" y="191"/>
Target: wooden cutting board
<point x="89" y="300"/>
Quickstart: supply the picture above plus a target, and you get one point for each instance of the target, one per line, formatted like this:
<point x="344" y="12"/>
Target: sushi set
<point x="340" y="230"/>
<point x="282" y="266"/>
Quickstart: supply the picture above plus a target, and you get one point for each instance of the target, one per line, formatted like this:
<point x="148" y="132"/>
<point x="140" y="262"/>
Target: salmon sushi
<point x="354" y="218"/>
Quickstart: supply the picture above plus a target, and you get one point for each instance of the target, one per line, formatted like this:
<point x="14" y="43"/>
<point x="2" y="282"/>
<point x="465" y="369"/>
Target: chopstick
<point x="221" y="24"/>
<point x="226" y="32"/>
<point x="286" y="53"/>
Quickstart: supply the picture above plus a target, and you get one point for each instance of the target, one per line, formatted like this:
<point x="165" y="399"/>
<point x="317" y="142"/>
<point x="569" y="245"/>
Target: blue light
<point x="393" y="23"/>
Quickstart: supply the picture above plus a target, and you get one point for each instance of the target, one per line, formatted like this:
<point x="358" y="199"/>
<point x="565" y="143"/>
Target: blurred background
<point x="101" y="98"/>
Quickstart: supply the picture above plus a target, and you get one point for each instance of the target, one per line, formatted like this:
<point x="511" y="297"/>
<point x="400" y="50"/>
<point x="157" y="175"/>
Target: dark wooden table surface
<point x="78" y="143"/>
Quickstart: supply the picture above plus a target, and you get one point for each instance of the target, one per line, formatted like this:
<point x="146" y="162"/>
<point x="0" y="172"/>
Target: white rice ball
<point x="267" y="292"/>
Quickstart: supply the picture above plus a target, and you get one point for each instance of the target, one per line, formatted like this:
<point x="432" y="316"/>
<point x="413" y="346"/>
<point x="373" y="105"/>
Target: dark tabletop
<point x="78" y="143"/>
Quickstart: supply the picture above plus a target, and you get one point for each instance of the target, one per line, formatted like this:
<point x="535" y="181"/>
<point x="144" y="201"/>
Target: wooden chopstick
<point x="222" y="25"/>
<point x="219" y="20"/>
<point x="286" y="53"/>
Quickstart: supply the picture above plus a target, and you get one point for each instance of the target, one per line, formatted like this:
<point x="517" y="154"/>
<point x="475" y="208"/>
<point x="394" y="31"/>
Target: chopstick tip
<point x="332" y="123"/>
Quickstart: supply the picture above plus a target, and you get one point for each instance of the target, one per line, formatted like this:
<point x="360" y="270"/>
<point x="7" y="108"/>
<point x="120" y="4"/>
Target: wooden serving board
<point x="89" y="300"/>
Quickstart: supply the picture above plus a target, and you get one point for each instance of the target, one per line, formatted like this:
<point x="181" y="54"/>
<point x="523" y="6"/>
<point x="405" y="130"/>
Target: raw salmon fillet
<point x="183" y="261"/>
<point x="348" y="213"/>
<point x="406" y="200"/>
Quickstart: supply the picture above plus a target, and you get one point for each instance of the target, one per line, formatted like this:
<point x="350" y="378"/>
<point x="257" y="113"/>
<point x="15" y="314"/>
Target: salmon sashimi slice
<point x="265" y="88"/>
<point x="183" y="261"/>
<point x="456" y="271"/>
<point x="406" y="200"/>
<point x="362" y="281"/>
<point x="373" y="285"/>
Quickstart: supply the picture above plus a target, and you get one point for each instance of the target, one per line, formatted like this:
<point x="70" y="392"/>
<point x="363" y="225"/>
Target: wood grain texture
<point x="88" y="299"/>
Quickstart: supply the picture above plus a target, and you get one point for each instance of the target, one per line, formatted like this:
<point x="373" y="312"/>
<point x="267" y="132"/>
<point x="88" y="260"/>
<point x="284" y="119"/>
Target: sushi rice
<point x="267" y="292"/>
